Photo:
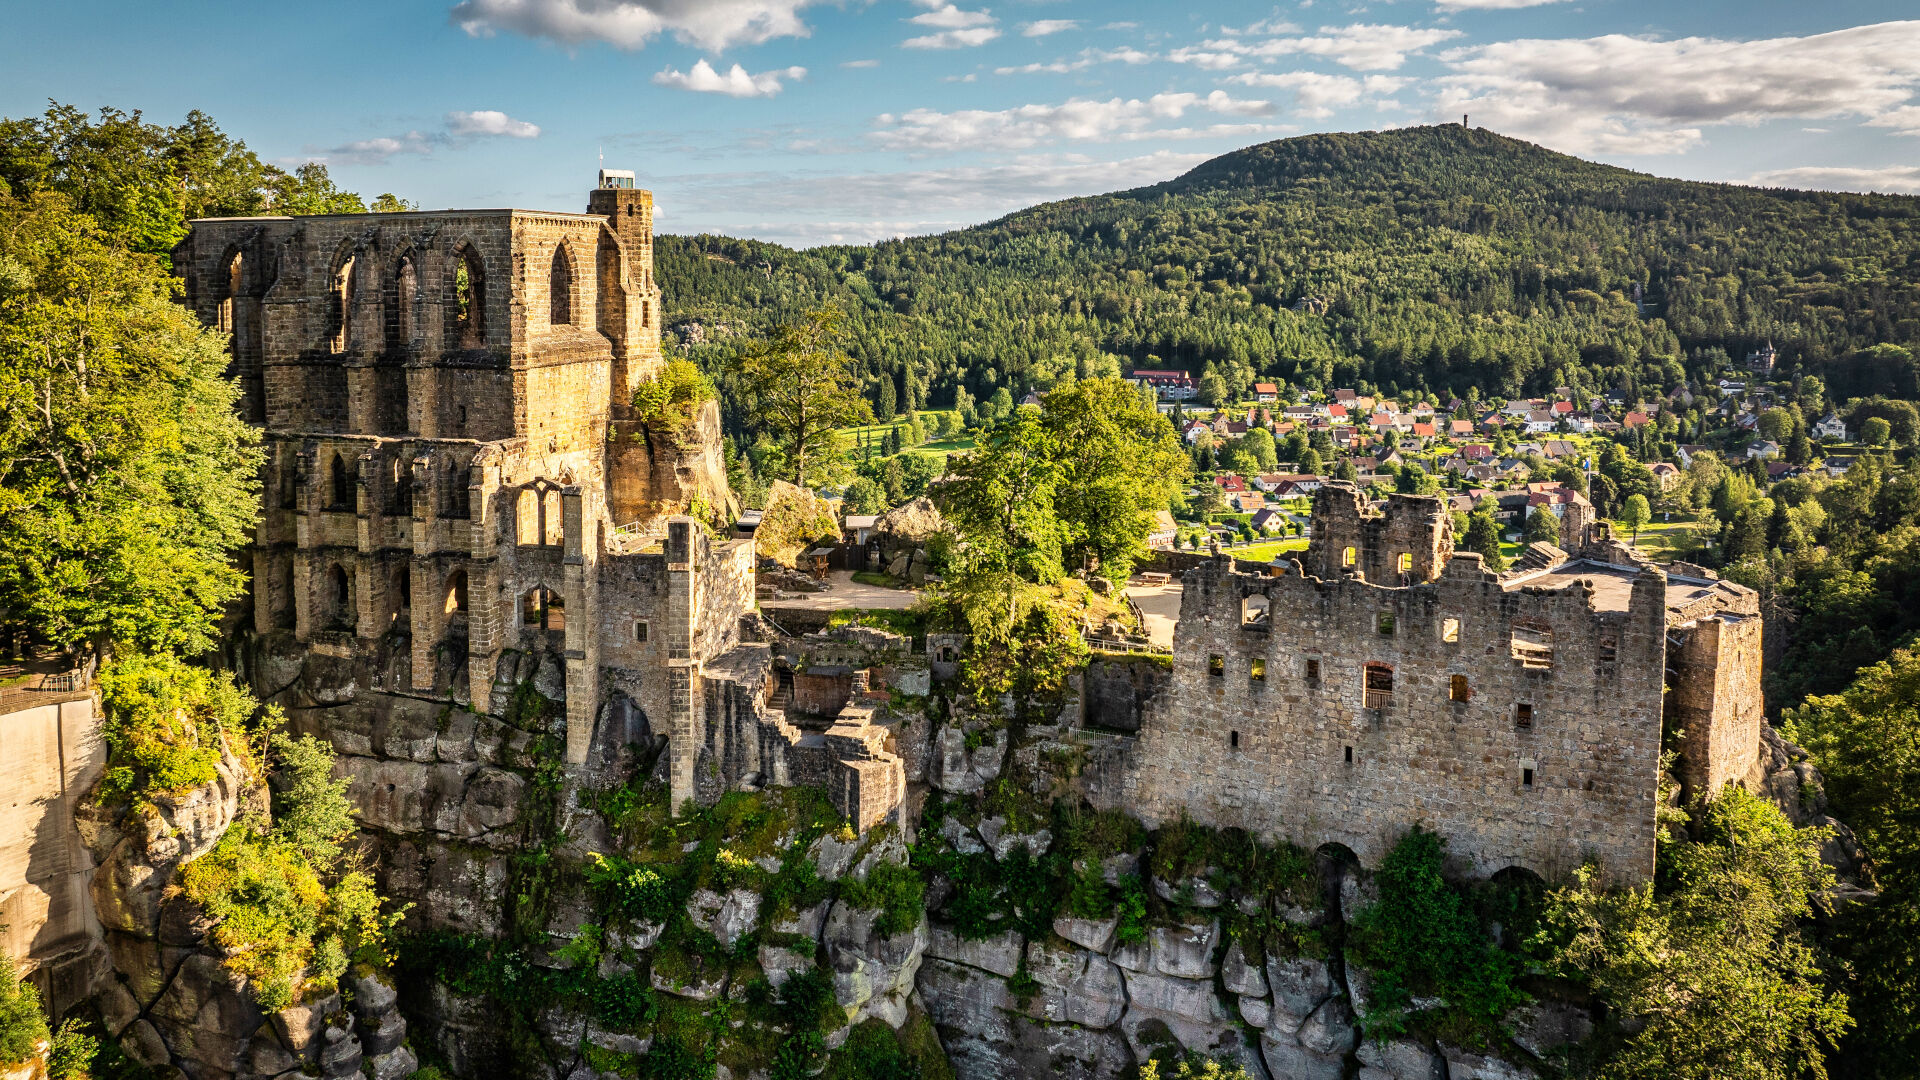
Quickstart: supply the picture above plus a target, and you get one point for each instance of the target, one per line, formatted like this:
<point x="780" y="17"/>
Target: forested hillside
<point x="1450" y="258"/>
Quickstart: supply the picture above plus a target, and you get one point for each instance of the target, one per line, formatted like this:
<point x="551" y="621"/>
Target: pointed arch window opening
<point x="560" y="288"/>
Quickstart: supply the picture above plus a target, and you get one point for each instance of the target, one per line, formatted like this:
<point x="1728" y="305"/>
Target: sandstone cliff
<point x="170" y="1001"/>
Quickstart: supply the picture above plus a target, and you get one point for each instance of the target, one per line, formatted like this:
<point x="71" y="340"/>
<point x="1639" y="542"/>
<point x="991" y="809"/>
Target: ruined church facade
<point x="1383" y="680"/>
<point x="455" y="473"/>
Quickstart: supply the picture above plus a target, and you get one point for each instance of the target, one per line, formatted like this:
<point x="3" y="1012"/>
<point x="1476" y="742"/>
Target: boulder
<point x="1240" y="977"/>
<point x="1256" y="1011"/>
<point x="1464" y="1064"/>
<point x="1003" y="840"/>
<point x="1287" y="1058"/>
<point x="728" y="917"/>
<point x="1545" y="1026"/>
<point x="873" y="973"/>
<point x="793" y="518"/>
<point x="1187" y="999"/>
<point x="999" y="954"/>
<point x="1185" y="951"/>
<point x="392" y="1065"/>
<point x="1400" y="1059"/>
<point x="806" y="922"/>
<point x="1329" y="1030"/>
<point x="1076" y="987"/>
<point x="780" y="963"/>
<point x="1299" y="984"/>
<point x="1094" y="934"/>
<point x="1193" y="892"/>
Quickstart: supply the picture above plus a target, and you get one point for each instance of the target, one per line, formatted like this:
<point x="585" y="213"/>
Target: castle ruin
<point x="455" y="473"/>
<point x="1384" y="680"/>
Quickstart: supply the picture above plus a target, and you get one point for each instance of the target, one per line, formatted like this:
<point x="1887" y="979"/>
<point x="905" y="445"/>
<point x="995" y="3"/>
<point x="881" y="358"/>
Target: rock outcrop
<point x="173" y="1002"/>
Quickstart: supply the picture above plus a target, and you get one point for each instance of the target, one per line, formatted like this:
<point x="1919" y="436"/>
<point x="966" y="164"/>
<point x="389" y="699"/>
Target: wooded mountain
<point x="1450" y="258"/>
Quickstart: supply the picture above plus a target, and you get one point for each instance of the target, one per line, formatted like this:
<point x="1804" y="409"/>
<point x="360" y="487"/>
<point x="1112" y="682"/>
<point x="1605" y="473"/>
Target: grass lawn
<point x="1267" y="550"/>
<point x="884" y="581"/>
<point x="1666" y="541"/>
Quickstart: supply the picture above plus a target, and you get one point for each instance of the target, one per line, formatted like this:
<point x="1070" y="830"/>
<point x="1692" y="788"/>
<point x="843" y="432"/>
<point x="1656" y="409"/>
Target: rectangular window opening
<point x="1383" y="622"/>
<point x="1458" y="690"/>
<point x="1378" y="687"/>
<point x="1450" y="631"/>
<point x="1257" y="669"/>
<point x="1216" y="665"/>
<point x="1609" y="656"/>
<point x="640" y="632"/>
<point x="1523" y="714"/>
<point x="1233" y="739"/>
<point x="1313" y="672"/>
<point x="1526" y="778"/>
<point x="1349" y="755"/>
<point x="1532" y="645"/>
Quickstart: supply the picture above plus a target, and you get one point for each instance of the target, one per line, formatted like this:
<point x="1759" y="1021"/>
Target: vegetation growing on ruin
<point x="671" y="400"/>
<point x="291" y="910"/>
<point x="165" y="724"/>
<point x="1711" y="959"/>
<point x="1423" y="938"/>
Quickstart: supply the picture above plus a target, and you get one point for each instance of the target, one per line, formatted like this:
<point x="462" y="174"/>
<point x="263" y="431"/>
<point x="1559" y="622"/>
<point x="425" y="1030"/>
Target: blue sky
<point x="811" y="122"/>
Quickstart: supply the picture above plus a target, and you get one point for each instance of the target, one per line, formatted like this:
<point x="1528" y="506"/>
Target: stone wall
<point x="1408" y="541"/>
<point x="1716" y="700"/>
<point x="1275" y="731"/>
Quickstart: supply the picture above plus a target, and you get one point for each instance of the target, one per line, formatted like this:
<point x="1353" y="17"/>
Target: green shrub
<point x="72" y="1052"/>
<point x="279" y="924"/>
<point x="672" y="400"/>
<point x="893" y="888"/>
<point x="1132" y="910"/>
<point x="631" y="890"/>
<point x="164" y="724"/>
<point x="873" y="1051"/>
<point x="1422" y="937"/>
<point x="22" y="1025"/>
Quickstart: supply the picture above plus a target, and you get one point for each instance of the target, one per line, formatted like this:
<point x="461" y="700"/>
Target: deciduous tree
<point x="801" y="387"/>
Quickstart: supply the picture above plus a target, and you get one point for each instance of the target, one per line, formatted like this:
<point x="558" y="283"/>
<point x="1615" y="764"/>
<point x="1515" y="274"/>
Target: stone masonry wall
<point x="1298" y="754"/>
<point x="1409" y="542"/>
<point x="1716" y="700"/>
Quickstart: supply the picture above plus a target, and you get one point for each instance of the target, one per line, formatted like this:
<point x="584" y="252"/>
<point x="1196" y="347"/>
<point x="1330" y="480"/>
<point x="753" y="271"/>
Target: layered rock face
<point x="170" y="1001"/>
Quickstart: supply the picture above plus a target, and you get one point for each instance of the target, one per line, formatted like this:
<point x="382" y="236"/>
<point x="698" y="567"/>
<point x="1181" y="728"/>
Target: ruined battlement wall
<point x="1410" y="540"/>
<point x="1271" y="726"/>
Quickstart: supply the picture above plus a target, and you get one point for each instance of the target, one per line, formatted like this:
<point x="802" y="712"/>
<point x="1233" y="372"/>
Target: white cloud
<point x="1634" y="95"/>
<point x="1121" y="26"/>
<point x="1087" y="58"/>
<point x="952" y="39"/>
<point x="490" y="122"/>
<point x="860" y="63"/>
<point x="460" y="129"/>
<point x="1043" y="27"/>
<point x="1031" y="125"/>
<point x="1317" y="94"/>
<point x="379" y="151"/>
<point x="736" y="82"/>
<point x="1904" y="120"/>
<point x="1210" y="59"/>
<point x="865" y="206"/>
<point x="949" y="17"/>
<point x="1491" y="5"/>
<point x="1363" y="47"/>
<point x="630" y="24"/>
<point x="1894" y="179"/>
